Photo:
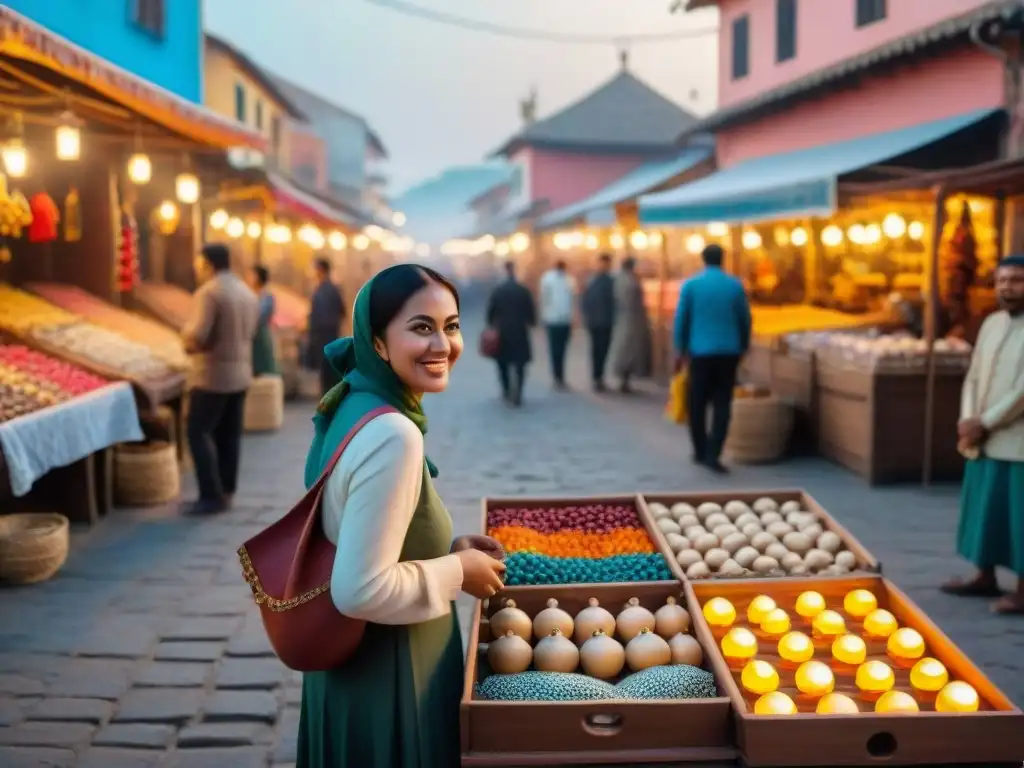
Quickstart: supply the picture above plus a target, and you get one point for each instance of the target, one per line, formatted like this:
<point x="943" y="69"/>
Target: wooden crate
<point x="873" y="423"/>
<point x="865" y="560"/>
<point x="488" y="504"/>
<point x="992" y="736"/>
<point x="496" y="733"/>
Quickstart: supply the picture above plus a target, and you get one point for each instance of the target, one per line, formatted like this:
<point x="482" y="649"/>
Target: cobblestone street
<point x="146" y="650"/>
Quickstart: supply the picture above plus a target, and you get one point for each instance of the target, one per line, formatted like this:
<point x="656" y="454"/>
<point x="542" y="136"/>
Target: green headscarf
<point x="361" y="369"/>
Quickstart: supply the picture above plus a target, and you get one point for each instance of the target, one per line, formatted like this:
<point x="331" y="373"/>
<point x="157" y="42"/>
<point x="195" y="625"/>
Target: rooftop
<point x="257" y="73"/>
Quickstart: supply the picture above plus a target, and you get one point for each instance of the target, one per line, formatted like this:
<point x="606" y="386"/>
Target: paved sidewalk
<point x="147" y="651"/>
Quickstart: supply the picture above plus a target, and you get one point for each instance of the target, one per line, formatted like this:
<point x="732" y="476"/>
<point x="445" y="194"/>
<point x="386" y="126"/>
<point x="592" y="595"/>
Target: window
<point x="785" y="29"/>
<point x="741" y="47"/>
<point x="240" y="111"/>
<point x="149" y="16"/>
<point x="870" y="11"/>
<point x="259" y="114"/>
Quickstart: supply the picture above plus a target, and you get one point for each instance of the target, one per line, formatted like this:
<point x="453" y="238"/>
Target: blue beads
<point x="526" y="568"/>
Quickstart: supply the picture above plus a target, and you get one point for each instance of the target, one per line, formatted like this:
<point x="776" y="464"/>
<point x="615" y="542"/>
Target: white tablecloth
<point x="63" y="434"/>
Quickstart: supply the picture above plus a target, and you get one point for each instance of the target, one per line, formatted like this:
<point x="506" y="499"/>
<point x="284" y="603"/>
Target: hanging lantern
<point x="167" y="217"/>
<point x="337" y="241"/>
<point x="15" y="158"/>
<point x="68" y="138"/>
<point x="140" y="168"/>
<point x="254" y="229"/>
<point x="235" y="228"/>
<point x="186" y="188"/>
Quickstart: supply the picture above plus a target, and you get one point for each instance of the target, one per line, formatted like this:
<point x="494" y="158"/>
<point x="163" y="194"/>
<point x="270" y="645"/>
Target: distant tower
<point x="528" y="107"/>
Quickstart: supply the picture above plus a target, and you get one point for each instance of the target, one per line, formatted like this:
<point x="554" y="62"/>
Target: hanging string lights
<point x="68" y="138"/>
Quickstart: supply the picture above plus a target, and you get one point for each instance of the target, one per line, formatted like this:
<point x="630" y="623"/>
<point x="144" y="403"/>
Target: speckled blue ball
<point x="525" y="568"/>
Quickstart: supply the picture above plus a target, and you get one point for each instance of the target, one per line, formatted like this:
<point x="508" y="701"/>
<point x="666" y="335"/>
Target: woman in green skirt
<point x="263" y="360"/>
<point x="991" y="533"/>
<point x="395" y="703"/>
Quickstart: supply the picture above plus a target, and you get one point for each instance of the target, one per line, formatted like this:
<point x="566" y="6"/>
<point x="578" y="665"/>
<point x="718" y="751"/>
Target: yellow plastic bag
<point x="675" y="408"/>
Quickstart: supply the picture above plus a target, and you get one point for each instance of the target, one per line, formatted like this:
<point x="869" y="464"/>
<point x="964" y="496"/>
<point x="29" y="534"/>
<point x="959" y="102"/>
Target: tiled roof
<point x="257" y="73"/>
<point x="623" y="115"/>
<point x="929" y="41"/>
<point x="316" y="106"/>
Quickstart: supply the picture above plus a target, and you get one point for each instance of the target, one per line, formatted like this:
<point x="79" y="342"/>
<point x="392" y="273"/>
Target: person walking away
<point x="264" y="362"/>
<point x="219" y="336"/>
<point x="556" y="305"/>
<point x="991" y="435"/>
<point x="598" y="307"/>
<point x="511" y="312"/>
<point x="631" y="344"/>
<point x="712" y="333"/>
<point x="326" y="315"/>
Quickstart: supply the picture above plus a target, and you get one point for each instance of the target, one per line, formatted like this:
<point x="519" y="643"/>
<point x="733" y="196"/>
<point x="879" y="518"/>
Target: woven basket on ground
<point x="33" y="547"/>
<point x="264" y="404"/>
<point x="760" y="430"/>
<point x="146" y="474"/>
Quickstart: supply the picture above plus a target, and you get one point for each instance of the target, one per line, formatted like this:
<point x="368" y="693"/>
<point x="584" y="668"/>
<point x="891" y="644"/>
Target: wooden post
<point x="932" y="305"/>
<point x="812" y="264"/>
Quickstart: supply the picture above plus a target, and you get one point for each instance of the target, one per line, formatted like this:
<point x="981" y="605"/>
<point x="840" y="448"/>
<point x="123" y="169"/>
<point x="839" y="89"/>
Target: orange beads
<point x="622" y="541"/>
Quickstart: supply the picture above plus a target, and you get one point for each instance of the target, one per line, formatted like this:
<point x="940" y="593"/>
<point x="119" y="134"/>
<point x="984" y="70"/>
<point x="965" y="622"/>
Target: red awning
<point x="21" y="38"/>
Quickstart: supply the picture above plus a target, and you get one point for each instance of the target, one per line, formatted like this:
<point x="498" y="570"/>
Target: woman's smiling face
<point x="424" y="339"/>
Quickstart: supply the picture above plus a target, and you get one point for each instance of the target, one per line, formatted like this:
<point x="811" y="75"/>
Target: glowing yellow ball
<point x="905" y="643"/>
<point x="875" y="677"/>
<point x="776" y="622"/>
<point x="759" y="608"/>
<point x="859" y="603"/>
<point x="796" y="647"/>
<point x="759" y="677"/>
<point x="957" y="697"/>
<point x="810" y="604"/>
<point x="739" y="643"/>
<point x="880" y="623"/>
<point x="929" y="675"/>
<point x="774" y="703"/>
<point x="836" y="704"/>
<point x="828" y="624"/>
<point x="896" y="702"/>
<point x="719" y="612"/>
<point x="815" y="679"/>
<point x="849" y="649"/>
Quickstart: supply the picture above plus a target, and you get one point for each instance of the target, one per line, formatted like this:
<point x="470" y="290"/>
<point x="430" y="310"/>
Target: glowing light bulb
<point x="360" y="242"/>
<point x="759" y="677"/>
<point x="751" y="240"/>
<point x="929" y="675"/>
<point x="616" y="241"/>
<point x="254" y="229"/>
<point x="814" y="679"/>
<point x="957" y="697"/>
<point x="895" y="703"/>
<point x="219" y="219"/>
<point x="855" y="234"/>
<point x="836" y="704"/>
<point x="849" y="649"/>
<point x="880" y="623"/>
<point x="872" y="234"/>
<point x="235" y="228"/>
<point x="739" y="645"/>
<point x="828" y="624"/>
<point x="796" y="648"/>
<point x="798" y="237"/>
<point x="718" y="228"/>
<point x="859" y="603"/>
<point x="591" y="242"/>
<point x="186" y="188"/>
<point x="759" y="609"/>
<point x="719" y="612"/>
<point x="776" y="623"/>
<point x="68" y="138"/>
<point x="905" y="645"/>
<point x="875" y="677"/>
<point x="775" y="703"/>
<point x="894" y="226"/>
<point x="694" y="244"/>
<point x="140" y="168"/>
<point x="639" y="240"/>
<point x="167" y="210"/>
<point x="831" y="236"/>
<point x="519" y="242"/>
<point x="810" y="604"/>
<point x="915" y="230"/>
<point x="15" y="158"/>
<point x="337" y="241"/>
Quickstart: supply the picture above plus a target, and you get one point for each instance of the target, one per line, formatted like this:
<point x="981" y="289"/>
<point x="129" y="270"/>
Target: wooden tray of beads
<point x="992" y="735"/>
<point x="632" y="501"/>
<point x="866" y="563"/>
<point x="502" y="733"/>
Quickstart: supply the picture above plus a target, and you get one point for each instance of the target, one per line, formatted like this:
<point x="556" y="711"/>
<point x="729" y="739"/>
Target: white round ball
<point x="708" y="508"/>
<point x="716" y="519"/>
<point x="779" y="529"/>
<point x="791" y="560"/>
<point x="731" y="569"/>
<point x="770" y="517"/>
<point x="746" y="519"/>
<point x="668" y="525"/>
<point x="721" y="531"/>
<point x="817" y="559"/>
<point x="734" y="509"/>
<point x="764" y="504"/>
<point x="657" y="510"/>
<point x="761" y="541"/>
<point x="693" y="531"/>
<point x="686" y="521"/>
<point x="777" y="550"/>
<point x="847" y="560"/>
<point x="688" y="557"/>
<point x="798" y="542"/>
<point x="746" y="556"/>
<point x="677" y="542"/>
<point x="715" y="558"/>
<point x="698" y="571"/>
<point x="814" y="530"/>
<point x="734" y="542"/>
<point x="705" y="543"/>
<point x="798" y="570"/>
<point x="682" y="509"/>
<point x="789" y="506"/>
<point x="765" y="565"/>
<point x="750" y="530"/>
<point x="830" y="542"/>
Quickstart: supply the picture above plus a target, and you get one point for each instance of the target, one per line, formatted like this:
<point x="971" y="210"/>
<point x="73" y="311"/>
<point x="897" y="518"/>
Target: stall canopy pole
<point x="932" y="306"/>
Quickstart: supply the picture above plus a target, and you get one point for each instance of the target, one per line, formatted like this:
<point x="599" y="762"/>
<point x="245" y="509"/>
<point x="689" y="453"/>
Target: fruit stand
<point x="57" y="424"/>
<point x="821" y="663"/>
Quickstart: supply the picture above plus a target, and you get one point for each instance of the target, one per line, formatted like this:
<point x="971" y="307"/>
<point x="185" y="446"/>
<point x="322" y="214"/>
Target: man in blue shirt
<point x="712" y="333"/>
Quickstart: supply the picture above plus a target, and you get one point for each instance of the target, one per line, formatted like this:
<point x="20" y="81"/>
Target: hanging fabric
<point x="45" y="216"/>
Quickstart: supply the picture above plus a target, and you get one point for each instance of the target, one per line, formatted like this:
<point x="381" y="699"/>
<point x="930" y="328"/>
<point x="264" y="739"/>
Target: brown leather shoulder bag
<point x="288" y="567"/>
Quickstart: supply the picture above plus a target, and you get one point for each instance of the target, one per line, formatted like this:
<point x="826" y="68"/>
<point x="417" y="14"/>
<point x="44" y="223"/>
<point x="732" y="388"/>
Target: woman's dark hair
<point x="262" y="274"/>
<point x="393" y="288"/>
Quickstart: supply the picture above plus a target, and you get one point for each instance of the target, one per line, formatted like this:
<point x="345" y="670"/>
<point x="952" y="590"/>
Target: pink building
<point x="587" y="145"/>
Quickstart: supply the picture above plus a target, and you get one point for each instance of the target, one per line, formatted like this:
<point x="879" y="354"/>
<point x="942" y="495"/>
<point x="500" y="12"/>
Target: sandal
<point x="973" y="588"/>
<point x="1010" y="605"/>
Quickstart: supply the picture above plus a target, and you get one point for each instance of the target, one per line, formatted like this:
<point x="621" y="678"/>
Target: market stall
<point x="800" y="664"/>
<point x="165" y="302"/>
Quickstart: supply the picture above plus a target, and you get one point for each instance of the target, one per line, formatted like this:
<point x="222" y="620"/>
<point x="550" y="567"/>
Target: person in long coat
<point x="512" y="313"/>
<point x="632" y="346"/>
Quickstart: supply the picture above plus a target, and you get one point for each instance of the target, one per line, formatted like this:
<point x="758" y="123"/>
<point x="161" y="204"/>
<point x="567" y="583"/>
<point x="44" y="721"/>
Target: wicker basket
<point x="33" y="547"/>
<point x="264" y="404"/>
<point x="760" y="429"/>
<point x="146" y="474"/>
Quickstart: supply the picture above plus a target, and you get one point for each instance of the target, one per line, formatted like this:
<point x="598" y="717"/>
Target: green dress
<point x="395" y="704"/>
<point x="991" y="531"/>
<point x="263" y="360"/>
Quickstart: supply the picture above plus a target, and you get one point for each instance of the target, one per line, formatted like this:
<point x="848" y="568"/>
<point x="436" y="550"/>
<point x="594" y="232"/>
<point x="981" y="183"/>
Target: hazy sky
<point x="439" y="96"/>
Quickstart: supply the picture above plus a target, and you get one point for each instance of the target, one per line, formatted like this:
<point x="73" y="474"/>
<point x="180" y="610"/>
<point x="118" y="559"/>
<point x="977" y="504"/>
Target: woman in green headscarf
<point x="395" y="704"/>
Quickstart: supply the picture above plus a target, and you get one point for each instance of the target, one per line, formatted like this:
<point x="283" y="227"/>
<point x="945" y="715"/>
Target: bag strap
<point x="314" y="497"/>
